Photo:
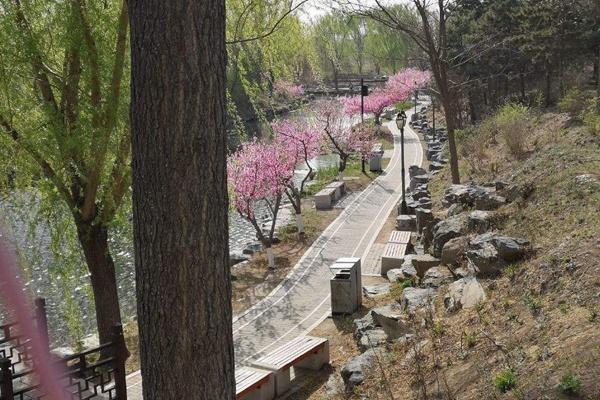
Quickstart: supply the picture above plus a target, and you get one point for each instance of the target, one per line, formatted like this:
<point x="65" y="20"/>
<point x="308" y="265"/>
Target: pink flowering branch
<point x="288" y="90"/>
<point x="13" y="296"/>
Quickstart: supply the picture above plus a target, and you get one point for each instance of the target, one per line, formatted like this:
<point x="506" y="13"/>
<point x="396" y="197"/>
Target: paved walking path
<point x="301" y="301"/>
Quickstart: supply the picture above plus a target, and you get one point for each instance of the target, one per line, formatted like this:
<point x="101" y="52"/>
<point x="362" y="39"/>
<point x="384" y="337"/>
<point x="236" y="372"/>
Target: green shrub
<point x="573" y="102"/>
<point x="513" y="124"/>
<point x="591" y="116"/>
<point x="505" y="380"/>
<point x="569" y="384"/>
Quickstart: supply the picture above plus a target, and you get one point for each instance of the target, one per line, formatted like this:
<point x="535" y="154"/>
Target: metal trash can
<point x="346" y="286"/>
<point x="376" y="156"/>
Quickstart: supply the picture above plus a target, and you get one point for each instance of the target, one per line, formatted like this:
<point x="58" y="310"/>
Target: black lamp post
<point x="416" y="97"/>
<point x="400" y="123"/>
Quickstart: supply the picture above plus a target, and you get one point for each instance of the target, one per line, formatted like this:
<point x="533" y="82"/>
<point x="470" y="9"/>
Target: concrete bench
<point x="325" y="198"/>
<point x="303" y="352"/>
<point x="254" y="384"/>
<point x="395" y="250"/>
<point x="340" y="189"/>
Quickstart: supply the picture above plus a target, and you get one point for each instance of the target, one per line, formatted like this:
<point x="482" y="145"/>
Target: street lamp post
<point x="400" y="123"/>
<point x="433" y="109"/>
<point x="416" y="97"/>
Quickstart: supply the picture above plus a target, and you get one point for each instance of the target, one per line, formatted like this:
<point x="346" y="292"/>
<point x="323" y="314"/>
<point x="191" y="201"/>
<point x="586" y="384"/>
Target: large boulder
<point x="413" y="299"/>
<point x="447" y="229"/>
<point x="490" y="253"/>
<point x="237" y="257"/>
<point x="400" y="274"/>
<point x="390" y="319"/>
<point x="436" y="277"/>
<point x="372" y="338"/>
<point x="481" y="197"/>
<point x="489" y="201"/>
<point x="353" y="372"/>
<point x="464" y="293"/>
<point x="484" y="260"/>
<point x="454" y="250"/>
<point x="422" y="262"/>
<point x="480" y="221"/>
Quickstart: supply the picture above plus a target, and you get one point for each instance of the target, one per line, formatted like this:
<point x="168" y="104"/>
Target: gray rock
<point x="372" y="338"/>
<point x="406" y="223"/>
<point x="390" y="319"/>
<point x="423" y="218"/>
<point x="237" y="257"/>
<point x="422" y="262"/>
<point x="252" y="248"/>
<point x="415" y="170"/>
<point x="419" y="194"/>
<point x="454" y="250"/>
<point x="436" y="277"/>
<point x="334" y="385"/>
<point x="378" y="289"/>
<point x="435" y="166"/>
<point x="353" y="372"/>
<point x="484" y="260"/>
<point x="395" y="275"/>
<point x="362" y="325"/>
<point x="425" y="202"/>
<point x="464" y="293"/>
<point x="447" y="229"/>
<point x="415" y="298"/>
<point x="490" y="253"/>
<point x="489" y="201"/>
<point x="418" y="180"/>
<point x="480" y="221"/>
<point x="455" y="209"/>
<point x="408" y="270"/>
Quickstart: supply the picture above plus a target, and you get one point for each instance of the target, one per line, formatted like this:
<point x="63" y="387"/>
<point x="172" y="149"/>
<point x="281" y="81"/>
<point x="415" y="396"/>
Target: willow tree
<point x="63" y="119"/>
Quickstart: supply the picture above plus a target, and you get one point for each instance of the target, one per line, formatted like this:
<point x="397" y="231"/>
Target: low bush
<point x="591" y="116"/>
<point x="513" y="123"/>
<point x="505" y="380"/>
<point x="569" y="384"/>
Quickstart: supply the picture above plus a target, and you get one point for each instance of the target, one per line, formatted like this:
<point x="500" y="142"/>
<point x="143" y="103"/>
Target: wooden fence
<point x="97" y="373"/>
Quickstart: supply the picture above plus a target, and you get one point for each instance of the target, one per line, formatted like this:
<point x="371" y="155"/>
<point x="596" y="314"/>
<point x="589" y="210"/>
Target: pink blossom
<point x="301" y="141"/>
<point x="397" y="88"/>
<point x="256" y="172"/>
<point x="288" y="90"/>
<point x="15" y="299"/>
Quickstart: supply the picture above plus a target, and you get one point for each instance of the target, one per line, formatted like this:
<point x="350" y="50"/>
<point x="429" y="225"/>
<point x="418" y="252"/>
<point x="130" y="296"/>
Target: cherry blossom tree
<point x="260" y="172"/>
<point x="288" y="90"/>
<point x="340" y="137"/>
<point x="299" y="143"/>
<point x="397" y="88"/>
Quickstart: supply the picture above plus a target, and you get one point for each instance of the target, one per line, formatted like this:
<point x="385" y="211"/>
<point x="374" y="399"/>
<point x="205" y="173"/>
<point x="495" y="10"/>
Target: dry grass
<point x="542" y="318"/>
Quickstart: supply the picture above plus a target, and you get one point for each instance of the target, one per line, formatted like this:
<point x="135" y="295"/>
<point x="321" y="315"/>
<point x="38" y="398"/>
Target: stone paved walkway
<point x="301" y="301"/>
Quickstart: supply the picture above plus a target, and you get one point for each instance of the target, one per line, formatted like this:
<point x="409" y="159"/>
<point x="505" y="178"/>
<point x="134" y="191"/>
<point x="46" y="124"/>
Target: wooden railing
<point x="97" y="373"/>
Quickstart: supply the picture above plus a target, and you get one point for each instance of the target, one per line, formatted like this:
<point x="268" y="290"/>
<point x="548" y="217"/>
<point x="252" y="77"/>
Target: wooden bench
<point x="325" y="198"/>
<point x="340" y="189"/>
<point x="303" y="352"/>
<point x="254" y="384"/>
<point x="394" y="252"/>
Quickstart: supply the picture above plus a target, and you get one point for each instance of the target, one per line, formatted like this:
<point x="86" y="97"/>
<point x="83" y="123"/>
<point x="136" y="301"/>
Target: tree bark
<point x="94" y="242"/>
<point x="180" y="199"/>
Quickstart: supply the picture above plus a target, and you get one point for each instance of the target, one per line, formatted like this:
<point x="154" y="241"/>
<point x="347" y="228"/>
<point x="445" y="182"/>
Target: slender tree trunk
<point x="598" y="76"/>
<point x="450" y="114"/>
<point x="94" y="242"/>
<point x="180" y="199"/>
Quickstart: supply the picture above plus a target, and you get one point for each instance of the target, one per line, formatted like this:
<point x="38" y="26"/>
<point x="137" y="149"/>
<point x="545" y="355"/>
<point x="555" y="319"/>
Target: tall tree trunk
<point x="94" y="242"/>
<point x="450" y="114"/>
<point x="180" y="199"/>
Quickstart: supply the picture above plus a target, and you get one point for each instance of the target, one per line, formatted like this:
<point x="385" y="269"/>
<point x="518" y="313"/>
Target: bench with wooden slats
<point x="395" y="250"/>
<point x="302" y="352"/>
<point x="254" y="384"/>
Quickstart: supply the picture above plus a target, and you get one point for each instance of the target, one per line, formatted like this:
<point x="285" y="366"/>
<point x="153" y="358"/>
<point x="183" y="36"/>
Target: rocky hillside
<point x="501" y="298"/>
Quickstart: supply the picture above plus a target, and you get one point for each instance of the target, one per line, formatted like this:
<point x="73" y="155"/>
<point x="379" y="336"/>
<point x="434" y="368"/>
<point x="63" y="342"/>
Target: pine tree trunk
<point x="94" y="242"/>
<point x="180" y="199"/>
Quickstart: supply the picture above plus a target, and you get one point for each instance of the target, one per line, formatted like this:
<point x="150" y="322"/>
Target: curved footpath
<point x="301" y="301"/>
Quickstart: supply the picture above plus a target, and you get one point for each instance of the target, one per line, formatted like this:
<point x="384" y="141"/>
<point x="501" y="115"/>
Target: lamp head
<point x="401" y="120"/>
